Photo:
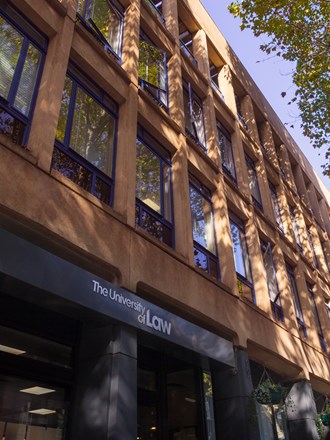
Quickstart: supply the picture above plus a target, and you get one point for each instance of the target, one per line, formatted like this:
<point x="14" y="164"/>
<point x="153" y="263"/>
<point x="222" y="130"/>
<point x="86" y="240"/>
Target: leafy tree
<point x="298" y="31"/>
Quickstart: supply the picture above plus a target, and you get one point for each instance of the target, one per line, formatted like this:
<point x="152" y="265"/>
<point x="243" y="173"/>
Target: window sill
<point x="21" y="151"/>
<point x="203" y="154"/>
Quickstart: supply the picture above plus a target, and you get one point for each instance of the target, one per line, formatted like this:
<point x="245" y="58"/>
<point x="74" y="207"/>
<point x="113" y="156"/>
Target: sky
<point x="272" y="76"/>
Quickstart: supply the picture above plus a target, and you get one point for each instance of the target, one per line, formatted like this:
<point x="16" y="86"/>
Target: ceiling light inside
<point x="42" y="411"/>
<point x="11" y="350"/>
<point x="38" y="391"/>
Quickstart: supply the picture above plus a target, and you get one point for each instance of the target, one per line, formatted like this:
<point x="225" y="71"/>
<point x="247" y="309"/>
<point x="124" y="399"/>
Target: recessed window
<point x="157" y="9"/>
<point x="226" y="151"/>
<point x="276" y="207"/>
<point x="296" y="299"/>
<point x="85" y="136"/>
<point x="153" y="71"/>
<point x="21" y="58"/>
<point x="295" y="227"/>
<point x="194" y="116"/>
<point x="273" y="290"/>
<point x="253" y="182"/>
<point x="316" y="317"/>
<point x="104" y="19"/>
<point x="153" y="188"/>
<point x="186" y="42"/>
<point x="205" y="252"/>
<point x="241" y="257"/>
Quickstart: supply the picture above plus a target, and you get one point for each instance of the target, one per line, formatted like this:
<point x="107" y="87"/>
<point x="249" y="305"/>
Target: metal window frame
<point x="317" y="316"/>
<point x="296" y="299"/>
<point x="277" y="207"/>
<point x="78" y="81"/>
<point x="192" y="96"/>
<point x="144" y="84"/>
<point x="295" y="228"/>
<point x="8" y="103"/>
<point x="162" y="159"/>
<point x="206" y="194"/>
<point x="89" y="24"/>
<point x="223" y="132"/>
<point x="251" y="164"/>
<point x="233" y="219"/>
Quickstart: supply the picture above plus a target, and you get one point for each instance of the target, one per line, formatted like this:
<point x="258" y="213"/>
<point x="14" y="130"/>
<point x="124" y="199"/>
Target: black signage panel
<point x="27" y="262"/>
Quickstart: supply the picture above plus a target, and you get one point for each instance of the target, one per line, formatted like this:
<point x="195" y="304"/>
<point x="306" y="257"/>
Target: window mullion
<point x="70" y="116"/>
<point x="18" y="72"/>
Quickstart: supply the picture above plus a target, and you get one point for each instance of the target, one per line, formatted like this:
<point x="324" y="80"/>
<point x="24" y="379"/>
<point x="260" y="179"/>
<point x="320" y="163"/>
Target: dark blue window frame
<point x="276" y="302"/>
<point x="251" y="165"/>
<point x="153" y="91"/>
<point x="210" y="257"/>
<point x="188" y="93"/>
<point x="225" y="138"/>
<point x="21" y="24"/>
<point x="141" y="208"/>
<point x="241" y="278"/>
<point x="90" y="25"/>
<point x="296" y="299"/>
<point x="317" y="318"/>
<point x="99" y="180"/>
<point x="157" y="8"/>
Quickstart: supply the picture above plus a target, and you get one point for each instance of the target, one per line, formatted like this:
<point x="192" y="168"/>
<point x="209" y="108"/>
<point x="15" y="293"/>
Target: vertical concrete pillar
<point x="201" y="52"/>
<point x="222" y="231"/>
<point x="300" y="185"/>
<point x="131" y="38"/>
<point x="285" y="211"/>
<point x="325" y="211"/>
<point x="240" y="164"/>
<point x="124" y="197"/>
<point x="105" y="401"/>
<point x="314" y="203"/>
<point x="248" y="115"/>
<point x="257" y="266"/>
<point x="268" y="141"/>
<point x="301" y="412"/>
<point x="226" y="87"/>
<point x="264" y="187"/>
<point x="48" y="104"/>
<point x="286" y="166"/>
<point x="181" y="202"/>
<point x="232" y="388"/>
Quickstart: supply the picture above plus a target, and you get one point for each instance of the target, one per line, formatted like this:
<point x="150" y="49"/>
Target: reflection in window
<point x="241" y="257"/>
<point x="273" y="290"/>
<point x="253" y="182"/>
<point x="205" y="253"/>
<point x="85" y="134"/>
<point x="22" y="51"/>
<point x="152" y="71"/>
<point x="105" y="19"/>
<point x="194" y="117"/>
<point x="296" y="299"/>
<point x="153" y="188"/>
<point x="209" y="407"/>
<point x="276" y="207"/>
<point x="226" y="150"/>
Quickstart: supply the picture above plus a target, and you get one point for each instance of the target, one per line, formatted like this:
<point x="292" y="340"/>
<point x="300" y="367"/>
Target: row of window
<point x="85" y="144"/>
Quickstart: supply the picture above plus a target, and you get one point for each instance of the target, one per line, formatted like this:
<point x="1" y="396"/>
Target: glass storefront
<point x="175" y="399"/>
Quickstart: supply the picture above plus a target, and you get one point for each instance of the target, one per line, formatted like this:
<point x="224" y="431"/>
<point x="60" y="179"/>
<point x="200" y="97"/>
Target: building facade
<point x="164" y="243"/>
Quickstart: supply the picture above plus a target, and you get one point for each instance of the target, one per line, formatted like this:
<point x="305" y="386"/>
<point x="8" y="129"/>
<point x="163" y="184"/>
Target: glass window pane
<point x="28" y="80"/>
<point x="226" y="154"/>
<point x="151" y="65"/>
<point x="61" y="126"/>
<point x="11" y="127"/>
<point x="92" y="134"/>
<point x="202" y="220"/>
<point x="238" y="249"/>
<point x="148" y="188"/>
<point x="209" y="409"/>
<point x="167" y="192"/>
<point x="270" y="273"/>
<point x="187" y="112"/>
<point x="10" y="45"/>
<point x="197" y="114"/>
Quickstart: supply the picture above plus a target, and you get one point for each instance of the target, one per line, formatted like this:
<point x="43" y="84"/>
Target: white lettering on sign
<point x="145" y="316"/>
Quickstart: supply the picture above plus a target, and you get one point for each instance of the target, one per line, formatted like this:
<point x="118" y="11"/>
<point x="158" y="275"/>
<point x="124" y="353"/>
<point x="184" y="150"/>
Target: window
<point x="85" y="136"/>
<point x="296" y="300"/>
<point x="316" y="317"/>
<point x="311" y="244"/>
<point x="153" y="188"/>
<point x="241" y="257"/>
<point x="153" y="71"/>
<point x="327" y="307"/>
<point x="194" y="117"/>
<point x="296" y="228"/>
<point x="186" y="42"/>
<point x="22" y="51"/>
<point x="104" y="18"/>
<point x="273" y="290"/>
<point x="276" y="207"/>
<point x="226" y="151"/>
<point x="239" y="113"/>
<point x="157" y="9"/>
<point x="205" y="252"/>
<point x="253" y="182"/>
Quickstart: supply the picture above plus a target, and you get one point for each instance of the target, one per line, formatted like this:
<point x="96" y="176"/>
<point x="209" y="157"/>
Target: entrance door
<point x="172" y="398"/>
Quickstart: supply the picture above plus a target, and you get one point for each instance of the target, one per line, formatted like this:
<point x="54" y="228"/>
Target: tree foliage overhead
<point x="298" y="31"/>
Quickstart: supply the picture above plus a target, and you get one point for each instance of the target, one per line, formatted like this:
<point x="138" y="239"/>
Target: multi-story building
<point x="164" y="243"/>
